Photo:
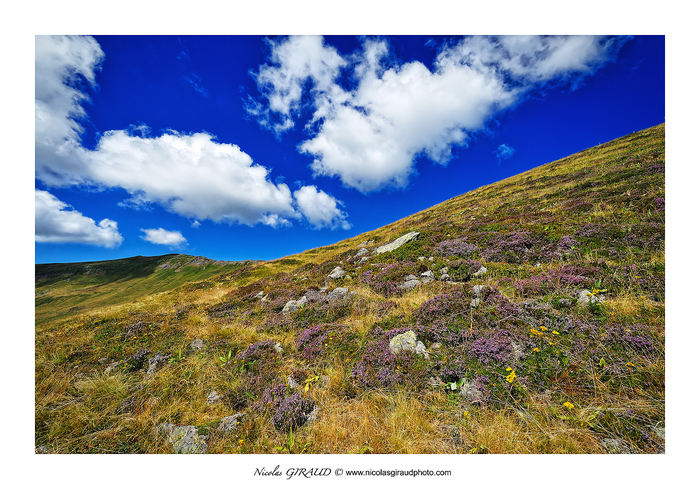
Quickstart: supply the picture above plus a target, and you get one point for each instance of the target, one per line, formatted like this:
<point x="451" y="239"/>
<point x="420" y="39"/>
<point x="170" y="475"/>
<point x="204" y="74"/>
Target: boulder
<point x="337" y="293"/>
<point x="229" y="423"/>
<point x="156" y="362"/>
<point x="471" y="392"/>
<point x="337" y="273"/>
<point x="480" y="271"/>
<point x="361" y="252"/>
<point x="428" y="276"/>
<point x="409" y="282"/>
<point x="294" y="305"/>
<point x="407" y="341"/>
<point x="615" y="445"/>
<point x="585" y="297"/>
<point x="184" y="439"/>
<point x="398" y="242"/>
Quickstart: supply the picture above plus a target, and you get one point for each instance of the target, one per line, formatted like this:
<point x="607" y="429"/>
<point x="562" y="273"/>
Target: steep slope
<point x="526" y="316"/>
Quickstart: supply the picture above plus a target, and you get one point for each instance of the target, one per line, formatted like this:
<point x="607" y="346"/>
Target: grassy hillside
<point x="539" y="300"/>
<point x="68" y="288"/>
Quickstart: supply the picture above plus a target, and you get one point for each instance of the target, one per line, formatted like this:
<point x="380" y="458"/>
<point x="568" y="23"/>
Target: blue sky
<point x="253" y="147"/>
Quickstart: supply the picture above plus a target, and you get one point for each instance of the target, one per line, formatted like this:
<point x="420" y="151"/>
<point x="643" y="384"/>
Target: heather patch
<point x="321" y="309"/>
<point x="379" y="368"/>
<point x="292" y="413"/>
<point x="259" y="356"/>
<point x="461" y="247"/>
<point x="491" y="348"/>
<point x="556" y="279"/>
<point x="463" y="270"/>
<point x="388" y="278"/>
<point x="515" y="247"/>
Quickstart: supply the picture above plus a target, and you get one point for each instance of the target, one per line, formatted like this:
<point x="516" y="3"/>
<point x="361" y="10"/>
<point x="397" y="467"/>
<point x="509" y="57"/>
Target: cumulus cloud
<point x="192" y="175"/>
<point x="55" y="223"/>
<point x="320" y="209"/>
<point x="162" y="237"/>
<point x="504" y="152"/>
<point x="370" y="135"/>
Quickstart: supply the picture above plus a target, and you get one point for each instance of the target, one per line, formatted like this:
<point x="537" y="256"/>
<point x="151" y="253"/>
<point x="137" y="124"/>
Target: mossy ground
<point x="555" y="376"/>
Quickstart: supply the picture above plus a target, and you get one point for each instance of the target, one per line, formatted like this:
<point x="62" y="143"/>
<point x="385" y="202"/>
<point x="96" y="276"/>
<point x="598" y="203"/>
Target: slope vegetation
<point x="526" y="316"/>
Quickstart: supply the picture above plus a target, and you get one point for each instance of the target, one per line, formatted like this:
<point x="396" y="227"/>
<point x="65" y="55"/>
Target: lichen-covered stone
<point x="184" y="439"/>
<point x="398" y="242"/>
<point x="407" y="341"/>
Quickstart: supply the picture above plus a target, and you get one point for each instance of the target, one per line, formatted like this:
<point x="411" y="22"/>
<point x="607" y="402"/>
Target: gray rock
<point x="518" y="351"/>
<point x="586" y="298"/>
<point x="363" y="251"/>
<point x="213" y="397"/>
<point x="444" y="277"/>
<point x="156" y="362"/>
<point x="259" y="295"/>
<point x="477" y="290"/>
<point x="197" y="344"/>
<point x="337" y="293"/>
<point x="364" y="259"/>
<point x="407" y="341"/>
<point x="421" y="258"/>
<point x="184" y="439"/>
<point x="278" y="348"/>
<point x="337" y="273"/>
<point x="312" y="416"/>
<point x="294" y="305"/>
<point x="428" y="276"/>
<point x="434" y="382"/>
<point x="409" y="282"/>
<point x="475" y="302"/>
<point x="615" y="445"/>
<point x="480" y="271"/>
<point x="229" y="423"/>
<point x="471" y="392"/>
<point x="432" y="258"/>
<point x="398" y="242"/>
<point x="444" y="270"/>
<point x="293" y="384"/>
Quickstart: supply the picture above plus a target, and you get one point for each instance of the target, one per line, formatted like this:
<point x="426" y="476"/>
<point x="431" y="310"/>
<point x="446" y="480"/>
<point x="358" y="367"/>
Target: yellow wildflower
<point x="554" y="331"/>
<point x="536" y="349"/>
<point x="511" y="377"/>
<point x="543" y="328"/>
<point x="630" y="364"/>
<point x="568" y="405"/>
<point x="509" y="369"/>
<point x="466" y="414"/>
<point x="241" y="442"/>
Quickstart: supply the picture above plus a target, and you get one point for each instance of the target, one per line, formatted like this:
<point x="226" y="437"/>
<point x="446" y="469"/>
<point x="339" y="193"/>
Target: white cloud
<point x="188" y="174"/>
<point x="162" y="237"/>
<point x="60" y="62"/>
<point x="296" y="60"/>
<point x="369" y="136"/>
<point x="320" y="209"/>
<point x="504" y="152"/>
<point x="55" y="224"/>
